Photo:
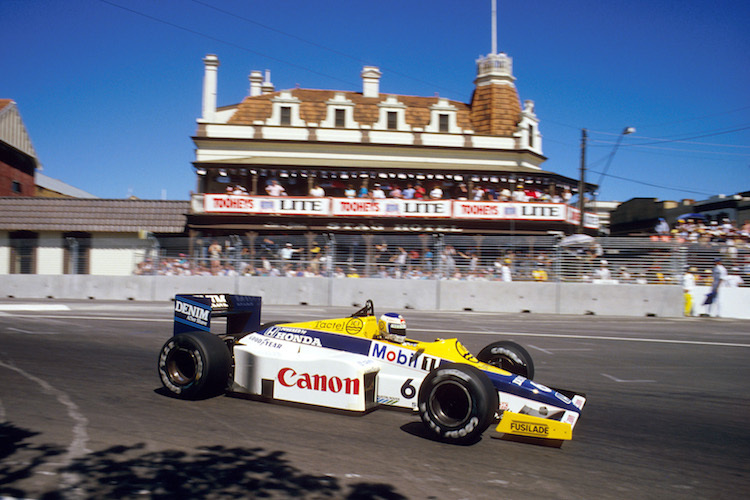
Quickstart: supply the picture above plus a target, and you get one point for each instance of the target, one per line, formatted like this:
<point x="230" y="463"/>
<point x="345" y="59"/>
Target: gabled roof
<point x="12" y="130"/>
<point x="92" y="215"/>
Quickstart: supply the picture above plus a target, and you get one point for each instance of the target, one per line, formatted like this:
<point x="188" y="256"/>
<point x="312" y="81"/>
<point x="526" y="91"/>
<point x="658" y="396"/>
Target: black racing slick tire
<point x="509" y="356"/>
<point x="195" y="365"/>
<point x="457" y="402"/>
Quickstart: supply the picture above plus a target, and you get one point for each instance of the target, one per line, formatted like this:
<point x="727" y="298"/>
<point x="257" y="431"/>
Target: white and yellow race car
<point x="358" y="363"/>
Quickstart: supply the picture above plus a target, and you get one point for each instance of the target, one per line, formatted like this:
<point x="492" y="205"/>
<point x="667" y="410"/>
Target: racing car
<point x="358" y="363"/>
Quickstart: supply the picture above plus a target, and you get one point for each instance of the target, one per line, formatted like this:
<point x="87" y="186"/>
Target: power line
<point x="318" y="45"/>
<point x="670" y="188"/>
<point x="225" y="42"/>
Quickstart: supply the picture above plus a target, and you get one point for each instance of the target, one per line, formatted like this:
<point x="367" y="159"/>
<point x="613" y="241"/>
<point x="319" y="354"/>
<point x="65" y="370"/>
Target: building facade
<point x="18" y="160"/>
<point x="479" y="163"/>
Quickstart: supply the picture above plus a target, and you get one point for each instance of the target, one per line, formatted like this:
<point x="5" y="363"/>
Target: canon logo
<point x="315" y="382"/>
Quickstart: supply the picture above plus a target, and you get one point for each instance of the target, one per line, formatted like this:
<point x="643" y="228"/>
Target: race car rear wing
<point x="194" y="312"/>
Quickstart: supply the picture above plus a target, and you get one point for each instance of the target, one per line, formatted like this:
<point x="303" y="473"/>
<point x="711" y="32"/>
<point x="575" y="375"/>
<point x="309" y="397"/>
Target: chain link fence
<point x="446" y="256"/>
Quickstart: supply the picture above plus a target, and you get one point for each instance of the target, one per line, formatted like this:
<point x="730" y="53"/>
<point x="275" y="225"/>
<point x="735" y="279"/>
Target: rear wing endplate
<point x="194" y="312"/>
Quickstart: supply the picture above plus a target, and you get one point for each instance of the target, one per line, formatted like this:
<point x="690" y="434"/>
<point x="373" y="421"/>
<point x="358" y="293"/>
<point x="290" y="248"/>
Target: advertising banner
<point x="391" y="207"/>
<point x="282" y="205"/>
<point x="493" y="210"/>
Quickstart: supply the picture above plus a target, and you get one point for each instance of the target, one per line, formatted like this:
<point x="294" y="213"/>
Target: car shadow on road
<point x="137" y="472"/>
<point x="419" y="430"/>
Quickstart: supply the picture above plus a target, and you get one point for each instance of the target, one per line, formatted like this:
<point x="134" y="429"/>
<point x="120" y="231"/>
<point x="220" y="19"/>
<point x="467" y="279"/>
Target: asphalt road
<point x="82" y="415"/>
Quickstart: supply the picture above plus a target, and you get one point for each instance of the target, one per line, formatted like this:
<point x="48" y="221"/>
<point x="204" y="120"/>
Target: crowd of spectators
<point x="431" y="191"/>
<point x="277" y="257"/>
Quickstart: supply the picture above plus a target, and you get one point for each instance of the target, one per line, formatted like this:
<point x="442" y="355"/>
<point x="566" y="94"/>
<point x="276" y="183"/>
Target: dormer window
<point x="340" y="118"/>
<point x="391" y="115"/>
<point x="443" y="118"/>
<point x="444" y="125"/>
<point x="286" y="116"/>
<point x="392" y="120"/>
<point x="286" y="111"/>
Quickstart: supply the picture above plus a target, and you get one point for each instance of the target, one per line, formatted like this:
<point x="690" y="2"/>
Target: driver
<point x="392" y="327"/>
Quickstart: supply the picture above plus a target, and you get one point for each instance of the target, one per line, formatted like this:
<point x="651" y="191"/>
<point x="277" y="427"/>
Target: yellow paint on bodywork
<point x="530" y="426"/>
<point x="367" y="327"/>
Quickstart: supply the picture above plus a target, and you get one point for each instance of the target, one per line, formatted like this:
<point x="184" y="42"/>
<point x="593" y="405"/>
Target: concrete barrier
<point x="481" y="296"/>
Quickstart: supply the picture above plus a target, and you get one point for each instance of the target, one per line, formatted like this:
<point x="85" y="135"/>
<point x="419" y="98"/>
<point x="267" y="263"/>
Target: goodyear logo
<point x="529" y="428"/>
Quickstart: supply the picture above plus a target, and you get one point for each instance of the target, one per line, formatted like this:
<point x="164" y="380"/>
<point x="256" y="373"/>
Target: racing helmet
<point x="392" y="327"/>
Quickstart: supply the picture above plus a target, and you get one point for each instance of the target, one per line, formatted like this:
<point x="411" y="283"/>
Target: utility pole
<point x="582" y="181"/>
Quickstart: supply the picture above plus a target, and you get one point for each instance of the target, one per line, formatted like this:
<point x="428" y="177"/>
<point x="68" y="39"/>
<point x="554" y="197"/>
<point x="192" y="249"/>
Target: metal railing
<point x="446" y="256"/>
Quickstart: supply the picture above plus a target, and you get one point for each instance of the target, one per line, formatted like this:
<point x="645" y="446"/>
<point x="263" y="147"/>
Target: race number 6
<point x="408" y="391"/>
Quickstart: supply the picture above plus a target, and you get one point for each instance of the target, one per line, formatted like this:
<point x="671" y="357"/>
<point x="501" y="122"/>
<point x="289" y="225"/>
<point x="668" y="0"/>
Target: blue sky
<point x="110" y="90"/>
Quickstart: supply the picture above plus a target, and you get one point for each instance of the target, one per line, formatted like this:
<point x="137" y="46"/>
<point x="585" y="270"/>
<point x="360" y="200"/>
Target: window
<point x="531" y="136"/>
<point x="15" y="187"/>
<point x="340" y="118"/>
<point x="444" y="122"/>
<point x="23" y="245"/>
<point x="77" y="248"/>
<point x="286" y="115"/>
<point x="392" y="120"/>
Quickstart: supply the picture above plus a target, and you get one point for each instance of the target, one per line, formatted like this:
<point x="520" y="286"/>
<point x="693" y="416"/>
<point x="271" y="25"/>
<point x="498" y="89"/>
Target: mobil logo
<point x="404" y="357"/>
<point x="288" y="377"/>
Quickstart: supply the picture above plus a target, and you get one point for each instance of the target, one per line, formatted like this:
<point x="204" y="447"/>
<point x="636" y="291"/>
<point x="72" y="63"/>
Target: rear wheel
<point x="509" y="356"/>
<point x="195" y="365"/>
<point x="457" y="402"/>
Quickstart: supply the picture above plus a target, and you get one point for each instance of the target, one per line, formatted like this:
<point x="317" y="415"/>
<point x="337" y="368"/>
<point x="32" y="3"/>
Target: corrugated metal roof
<point x="58" y="186"/>
<point x="92" y="215"/>
<point x="12" y="129"/>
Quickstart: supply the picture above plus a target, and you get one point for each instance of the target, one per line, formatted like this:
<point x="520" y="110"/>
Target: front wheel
<point x="457" y="402"/>
<point x="195" y="365"/>
<point x="509" y="356"/>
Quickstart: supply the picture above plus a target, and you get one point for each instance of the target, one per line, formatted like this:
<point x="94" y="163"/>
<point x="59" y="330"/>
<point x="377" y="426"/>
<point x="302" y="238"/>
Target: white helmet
<point x="392" y="327"/>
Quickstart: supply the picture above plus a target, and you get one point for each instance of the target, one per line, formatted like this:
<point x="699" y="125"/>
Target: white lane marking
<point x="545" y="351"/>
<point x="432" y="331"/>
<point x="10" y="329"/>
<point x="34" y="307"/>
<point x="77" y="447"/>
<point x="623" y="381"/>
<point x="589" y="337"/>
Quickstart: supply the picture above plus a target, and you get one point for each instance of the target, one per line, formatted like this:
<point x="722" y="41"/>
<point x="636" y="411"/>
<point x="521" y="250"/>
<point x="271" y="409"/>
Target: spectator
<point x="462" y="193"/>
<point x="214" y="254"/>
<point x="378" y="192"/>
<point x="539" y="274"/>
<point x="395" y="192"/>
<point x="719" y="278"/>
<point x="436" y="193"/>
<point x="734" y="279"/>
<point x="409" y="192"/>
<point x="662" y="227"/>
<point x="419" y="192"/>
<point x="603" y="272"/>
<point x="275" y="189"/>
<point x="363" y="191"/>
<point x="350" y="192"/>
<point x="317" y="191"/>
<point x="478" y="193"/>
<point x="505" y="272"/>
<point x="519" y="194"/>
<point x="505" y="194"/>
<point x="567" y="195"/>
<point x="688" y="287"/>
<point x="288" y="252"/>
